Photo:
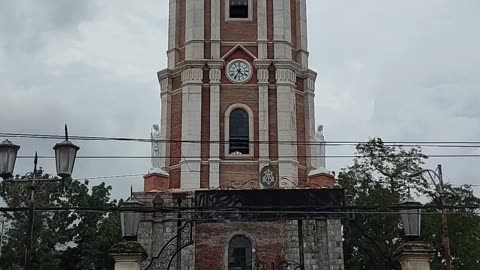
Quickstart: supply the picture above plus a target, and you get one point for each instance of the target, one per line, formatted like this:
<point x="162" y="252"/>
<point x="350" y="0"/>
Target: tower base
<point x="156" y="182"/>
<point x="321" y="180"/>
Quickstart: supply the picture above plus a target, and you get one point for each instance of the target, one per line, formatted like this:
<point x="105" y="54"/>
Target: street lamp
<point x="8" y="156"/>
<point x="65" y="154"/>
<point x="130" y="219"/>
<point x="411" y="216"/>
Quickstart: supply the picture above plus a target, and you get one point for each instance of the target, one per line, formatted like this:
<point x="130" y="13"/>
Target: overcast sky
<point x="400" y="70"/>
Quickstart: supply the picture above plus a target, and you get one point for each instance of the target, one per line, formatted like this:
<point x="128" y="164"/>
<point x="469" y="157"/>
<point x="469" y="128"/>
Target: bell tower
<point x="237" y="97"/>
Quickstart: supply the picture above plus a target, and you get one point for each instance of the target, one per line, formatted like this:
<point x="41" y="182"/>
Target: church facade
<point x="237" y="144"/>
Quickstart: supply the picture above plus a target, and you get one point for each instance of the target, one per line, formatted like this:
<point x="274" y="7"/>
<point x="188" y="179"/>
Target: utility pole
<point x="445" y="239"/>
<point x="447" y="258"/>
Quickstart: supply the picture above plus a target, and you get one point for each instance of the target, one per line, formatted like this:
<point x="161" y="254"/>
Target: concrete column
<point x="323" y="244"/>
<point x="172" y="34"/>
<point x="191" y="128"/>
<point x="415" y="256"/>
<point x="287" y="126"/>
<point x="214" y="161"/>
<point x="262" y="28"/>
<point x="302" y="38"/>
<point x="194" y="30"/>
<point x="128" y="255"/>
<point x="165" y="96"/>
<point x="309" y="101"/>
<point x="262" y="74"/>
<point x="215" y="37"/>
<point x="282" y="29"/>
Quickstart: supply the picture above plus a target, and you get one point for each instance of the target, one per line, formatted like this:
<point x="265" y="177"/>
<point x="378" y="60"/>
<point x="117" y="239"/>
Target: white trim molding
<point x="251" y="132"/>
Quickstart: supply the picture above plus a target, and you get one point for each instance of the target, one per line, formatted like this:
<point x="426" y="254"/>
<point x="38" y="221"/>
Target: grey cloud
<point x="27" y="25"/>
<point x="401" y="70"/>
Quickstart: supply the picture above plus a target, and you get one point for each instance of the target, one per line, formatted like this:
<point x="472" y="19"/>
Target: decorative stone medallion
<point x="268" y="177"/>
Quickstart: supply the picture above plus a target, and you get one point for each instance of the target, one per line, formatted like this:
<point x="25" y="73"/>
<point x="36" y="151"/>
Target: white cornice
<point x="239" y="47"/>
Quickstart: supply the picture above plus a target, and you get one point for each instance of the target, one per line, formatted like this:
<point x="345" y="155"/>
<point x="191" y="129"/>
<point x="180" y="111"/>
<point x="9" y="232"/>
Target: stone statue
<point x="320" y="138"/>
<point x="318" y="150"/>
<point x="158" y="162"/>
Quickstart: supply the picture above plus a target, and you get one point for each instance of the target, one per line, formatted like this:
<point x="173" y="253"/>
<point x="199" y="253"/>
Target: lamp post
<point x="412" y="218"/>
<point x="413" y="254"/>
<point x="8" y="156"/>
<point x="441" y="196"/>
<point x="65" y="155"/>
<point x="129" y="254"/>
<point x="1" y="236"/>
<point x="130" y="220"/>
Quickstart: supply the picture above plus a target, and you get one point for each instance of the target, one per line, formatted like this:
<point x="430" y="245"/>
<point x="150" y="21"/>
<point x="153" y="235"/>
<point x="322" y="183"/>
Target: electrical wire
<point x="279" y="156"/>
<point x="251" y="210"/>
<point x="440" y="144"/>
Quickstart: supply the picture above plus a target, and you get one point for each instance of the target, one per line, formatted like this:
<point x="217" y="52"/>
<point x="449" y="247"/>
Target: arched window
<point x="240" y="253"/>
<point x="239" y="9"/>
<point x="239" y="132"/>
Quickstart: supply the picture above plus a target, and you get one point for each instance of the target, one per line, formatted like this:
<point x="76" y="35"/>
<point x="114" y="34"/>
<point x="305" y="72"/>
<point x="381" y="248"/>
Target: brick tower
<point x="237" y="145"/>
<point x="238" y="81"/>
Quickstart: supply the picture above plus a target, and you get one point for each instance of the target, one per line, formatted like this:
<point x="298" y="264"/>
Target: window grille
<point x="240" y="253"/>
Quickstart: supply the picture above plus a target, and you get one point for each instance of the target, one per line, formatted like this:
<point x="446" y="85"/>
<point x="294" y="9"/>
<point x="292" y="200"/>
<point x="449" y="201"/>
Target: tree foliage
<point x="62" y="240"/>
<point x="381" y="176"/>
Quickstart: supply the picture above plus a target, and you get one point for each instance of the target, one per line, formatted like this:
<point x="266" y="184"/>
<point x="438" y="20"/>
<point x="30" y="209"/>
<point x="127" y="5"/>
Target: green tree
<point x="60" y="238"/>
<point x="380" y="176"/>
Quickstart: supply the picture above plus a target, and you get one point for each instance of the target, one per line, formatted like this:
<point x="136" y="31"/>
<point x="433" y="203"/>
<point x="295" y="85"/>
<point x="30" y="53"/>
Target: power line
<point x="279" y="156"/>
<point x="254" y="210"/>
<point x="228" y="173"/>
<point x="441" y="144"/>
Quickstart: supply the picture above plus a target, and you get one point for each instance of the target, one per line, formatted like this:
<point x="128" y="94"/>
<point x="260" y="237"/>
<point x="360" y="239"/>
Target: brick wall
<point x="181" y="16"/>
<point x="273" y="241"/>
<point x="239" y="173"/>
<point x="243" y="31"/>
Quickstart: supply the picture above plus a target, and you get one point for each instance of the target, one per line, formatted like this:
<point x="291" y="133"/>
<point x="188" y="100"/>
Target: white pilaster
<point x="166" y="97"/>
<point x="282" y="29"/>
<point x="309" y="101"/>
<point x="215" y="29"/>
<point x="262" y="28"/>
<point x="194" y="29"/>
<point x="191" y="127"/>
<point x="262" y="74"/>
<point x="172" y="34"/>
<point x="287" y="126"/>
<point x="214" y="161"/>
<point x="302" y="37"/>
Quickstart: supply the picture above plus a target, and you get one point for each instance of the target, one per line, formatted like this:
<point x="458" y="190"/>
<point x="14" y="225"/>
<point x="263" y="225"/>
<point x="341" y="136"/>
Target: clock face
<point x="239" y="71"/>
